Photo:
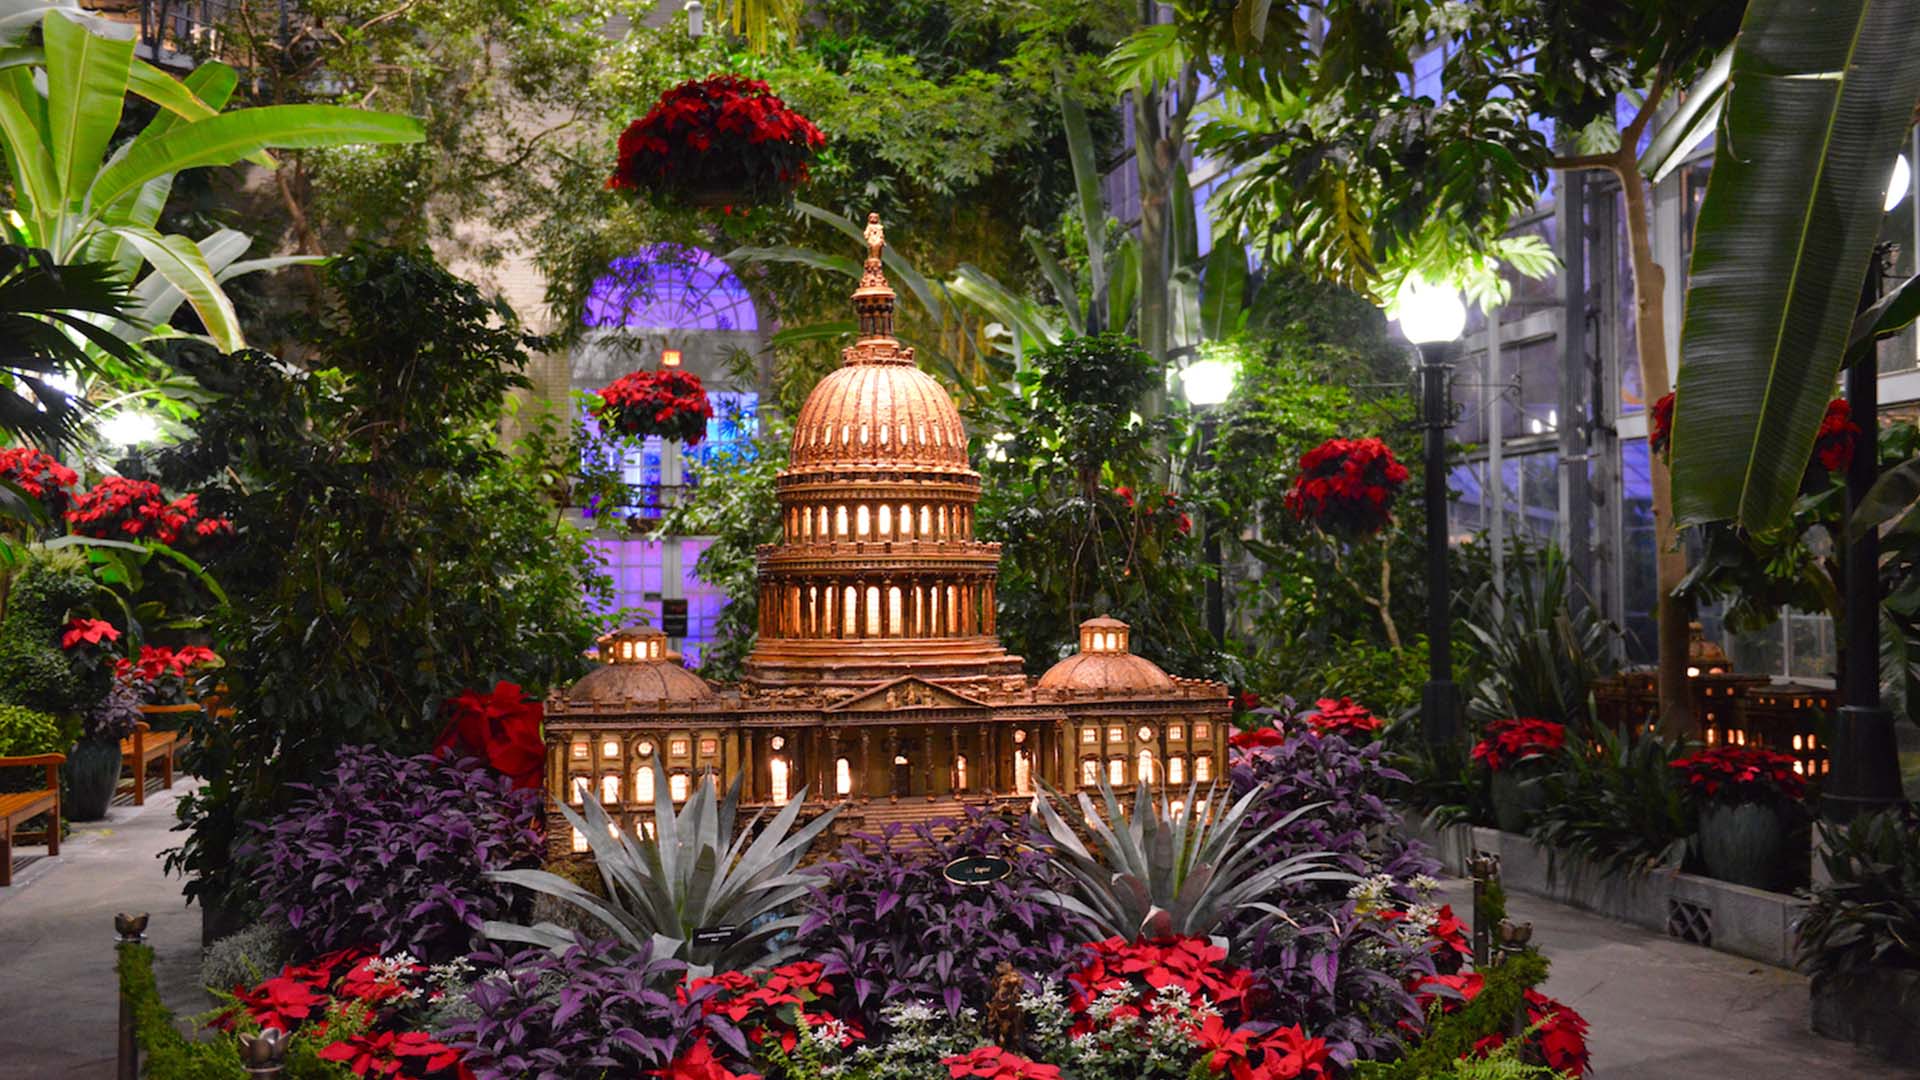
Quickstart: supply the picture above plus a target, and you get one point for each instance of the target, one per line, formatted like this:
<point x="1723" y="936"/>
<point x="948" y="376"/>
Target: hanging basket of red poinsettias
<point x="1347" y="486"/>
<point x="721" y="141"/>
<point x="670" y="403"/>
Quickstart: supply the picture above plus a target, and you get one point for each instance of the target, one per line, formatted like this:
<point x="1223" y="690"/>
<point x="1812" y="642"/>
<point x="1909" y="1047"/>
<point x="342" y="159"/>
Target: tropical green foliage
<point x="1159" y="872"/>
<point x="46" y="311"/>
<point x="734" y="503"/>
<point x="1073" y="494"/>
<point x="390" y="553"/>
<point x="60" y="105"/>
<point x="1866" y="914"/>
<point x="35" y="672"/>
<point x="1818" y="104"/>
<point x="1539" y="648"/>
<point x="1615" y="802"/>
<point x="696" y="873"/>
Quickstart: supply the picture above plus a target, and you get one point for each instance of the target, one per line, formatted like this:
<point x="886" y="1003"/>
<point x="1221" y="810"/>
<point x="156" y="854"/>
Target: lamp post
<point x="1864" y="754"/>
<point x="131" y="429"/>
<point x="1208" y="383"/>
<point x="1432" y="319"/>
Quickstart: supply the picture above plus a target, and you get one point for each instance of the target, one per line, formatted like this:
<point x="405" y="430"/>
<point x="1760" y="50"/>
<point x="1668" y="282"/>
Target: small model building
<point x="877" y="680"/>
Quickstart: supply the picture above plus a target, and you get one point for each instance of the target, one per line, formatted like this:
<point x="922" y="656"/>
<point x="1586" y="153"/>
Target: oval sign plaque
<point x="978" y="870"/>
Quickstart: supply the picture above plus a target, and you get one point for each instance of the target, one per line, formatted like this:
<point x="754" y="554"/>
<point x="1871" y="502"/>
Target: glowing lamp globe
<point x="1898" y="183"/>
<point x="1209" y="382"/>
<point x="1430" y="314"/>
<point x="129" y="427"/>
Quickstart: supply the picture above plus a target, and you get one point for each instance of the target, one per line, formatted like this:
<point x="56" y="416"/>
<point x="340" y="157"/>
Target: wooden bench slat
<point x="23" y="804"/>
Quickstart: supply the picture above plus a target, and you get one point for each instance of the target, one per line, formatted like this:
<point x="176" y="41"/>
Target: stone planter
<point x="1516" y="798"/>
<point x="1879" y="1011"/>
<point x="1745" y="843"/>
<point x="92" y="772"/>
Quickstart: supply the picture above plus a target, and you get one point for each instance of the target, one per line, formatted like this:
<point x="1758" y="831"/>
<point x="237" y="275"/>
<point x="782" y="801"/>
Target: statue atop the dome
<point x="876" y="237"/>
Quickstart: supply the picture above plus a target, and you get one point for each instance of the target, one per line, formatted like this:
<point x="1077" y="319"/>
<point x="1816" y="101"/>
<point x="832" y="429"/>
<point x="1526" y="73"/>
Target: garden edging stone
<point x="1730" y="918"/>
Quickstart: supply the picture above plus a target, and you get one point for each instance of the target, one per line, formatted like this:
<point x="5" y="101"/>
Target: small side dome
<point x="1104" y="662"/>
<point x="635" y="666"/>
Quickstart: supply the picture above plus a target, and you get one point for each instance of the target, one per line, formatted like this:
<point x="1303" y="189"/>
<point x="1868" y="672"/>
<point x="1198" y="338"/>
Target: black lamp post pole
<point x="1866" y="773"/>
<point x="1216" y="585"/>
<point x="1440" y="699"/>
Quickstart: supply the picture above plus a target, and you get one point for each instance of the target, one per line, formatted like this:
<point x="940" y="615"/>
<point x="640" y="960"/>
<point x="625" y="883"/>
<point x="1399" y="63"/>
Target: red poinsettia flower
<point x="698" y="1062"/>
<point x="285" y="1001"/>
<point x="37" y="473"/>
<point x="1743" y="774"/>
<point x="501" y="728"/>
<point x="89" y="632"/>
<point x="1509" y="742"/>
<point x="1126" y="494"/>
<point x="1257" y="738"/>
<point x="1833" y="446"/>
<point x="993" y="1063"/>
<point x="1347" y="486"/>
<point x="388" y="1053"/>
<point x="1342" y="717"/>
<point x="1660" y="425"/>
<point x="723" y="133"/>
<point x="671" y="403"/>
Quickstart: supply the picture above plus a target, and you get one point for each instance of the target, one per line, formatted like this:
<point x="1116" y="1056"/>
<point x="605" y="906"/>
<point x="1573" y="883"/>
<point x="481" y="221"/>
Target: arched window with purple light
<point x="670" y="287"/>
<point x="668" y="296"/>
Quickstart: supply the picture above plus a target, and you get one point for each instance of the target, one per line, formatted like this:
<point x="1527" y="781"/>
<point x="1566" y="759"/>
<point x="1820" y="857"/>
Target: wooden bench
<point x="18" y="807"/>
<point x="143" y="746"/>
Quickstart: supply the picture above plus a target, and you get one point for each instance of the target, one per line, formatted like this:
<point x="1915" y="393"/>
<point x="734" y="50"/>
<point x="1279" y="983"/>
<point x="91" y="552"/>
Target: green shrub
<point x="24" y="733"/>
<point x="1617" y="803"/>
<point x="391" y="552"/>
<point x="34" y="671"/>
<point x="1867" y="915"/>
<point x="246" y="958"/>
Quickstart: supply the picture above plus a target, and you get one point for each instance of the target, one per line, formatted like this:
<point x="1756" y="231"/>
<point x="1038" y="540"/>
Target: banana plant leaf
<point x="1819" y="99"/>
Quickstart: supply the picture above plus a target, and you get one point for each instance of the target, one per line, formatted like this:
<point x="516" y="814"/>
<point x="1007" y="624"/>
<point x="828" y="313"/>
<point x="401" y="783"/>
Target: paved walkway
<point x="59" y="998"/>
<point x="1660" y="1009"/>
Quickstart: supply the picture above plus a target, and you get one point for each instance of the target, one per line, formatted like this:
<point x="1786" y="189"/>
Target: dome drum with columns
<point x="877" y="678"/>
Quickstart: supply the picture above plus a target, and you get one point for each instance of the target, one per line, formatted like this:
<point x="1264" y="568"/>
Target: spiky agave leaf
<point x="1159" y="874"/>
<point x="694" y="873"/>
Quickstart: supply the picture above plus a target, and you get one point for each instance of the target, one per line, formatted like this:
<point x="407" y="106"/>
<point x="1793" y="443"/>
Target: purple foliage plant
<point x="392" y="852"/>
<point x="593" y="1010"/>
<point x="887" y="923"/>
<point x="1334" y="966"/>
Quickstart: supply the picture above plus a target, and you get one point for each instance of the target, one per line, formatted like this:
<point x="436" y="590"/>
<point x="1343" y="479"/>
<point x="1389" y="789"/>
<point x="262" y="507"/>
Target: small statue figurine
<point x="1006" y="1023"/>
<point x="876" y="237"/>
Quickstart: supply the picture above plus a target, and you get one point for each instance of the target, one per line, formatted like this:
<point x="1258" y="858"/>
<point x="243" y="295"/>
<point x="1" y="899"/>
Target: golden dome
<point x="879" y="413"/>
<point x="1104" y="662"/>
<point x="1106" y="671"/>
<point x="635" y="667"/>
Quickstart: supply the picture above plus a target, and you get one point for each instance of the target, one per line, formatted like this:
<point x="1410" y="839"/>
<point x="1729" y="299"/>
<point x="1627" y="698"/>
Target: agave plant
<point x="695" y="890"/>
<point x="1162" y="874"/>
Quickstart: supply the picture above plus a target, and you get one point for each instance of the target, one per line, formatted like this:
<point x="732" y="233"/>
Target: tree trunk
<point x="1650" y="334"/>
<point x="1155" y="227"/>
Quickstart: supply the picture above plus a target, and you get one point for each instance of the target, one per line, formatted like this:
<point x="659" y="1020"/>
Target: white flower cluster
<point x="394" y="971"/>
<point x="1371" y="894"/>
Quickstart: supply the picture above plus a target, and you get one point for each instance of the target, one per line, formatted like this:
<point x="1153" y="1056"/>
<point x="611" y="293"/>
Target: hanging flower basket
<point x="670" y="403"/>
<point x="722" y="141"/>
<point x="1347" y="486"/>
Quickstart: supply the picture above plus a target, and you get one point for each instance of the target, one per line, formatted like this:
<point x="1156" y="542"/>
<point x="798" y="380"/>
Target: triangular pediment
<point x="908" y="692"/>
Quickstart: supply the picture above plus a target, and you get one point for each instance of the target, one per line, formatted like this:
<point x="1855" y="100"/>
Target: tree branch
<point x="1655" y="93"/>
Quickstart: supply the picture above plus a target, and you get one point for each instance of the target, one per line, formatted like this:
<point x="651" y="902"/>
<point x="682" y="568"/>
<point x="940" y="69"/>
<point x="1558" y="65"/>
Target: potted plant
<point x="722" y="141"/>
<point x="93" y="765"/>
<point x="670" y="403"/>
<point x="1748" y="799"/>
<point x="1516" y="752"/>
<point x="162" y="677"/>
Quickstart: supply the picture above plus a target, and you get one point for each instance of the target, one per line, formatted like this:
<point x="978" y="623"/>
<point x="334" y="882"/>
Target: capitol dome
<point x="636" y="668"/>
<point x="882" y="412"/>
<point x="1105" y="662"/>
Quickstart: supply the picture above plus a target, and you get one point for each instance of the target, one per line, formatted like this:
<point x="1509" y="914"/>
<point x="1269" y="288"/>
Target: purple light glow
<point x="669" y="287"/>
